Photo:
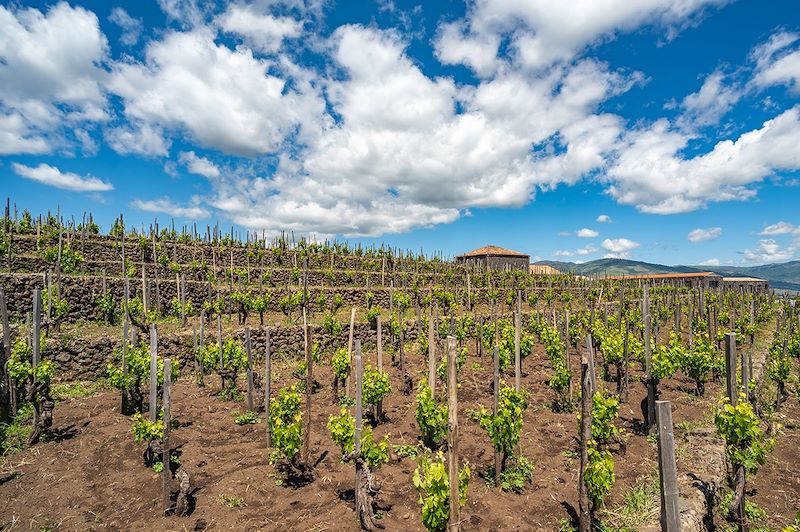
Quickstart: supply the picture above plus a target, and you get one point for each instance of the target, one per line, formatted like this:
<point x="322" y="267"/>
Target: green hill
<point x="784" y="275"/>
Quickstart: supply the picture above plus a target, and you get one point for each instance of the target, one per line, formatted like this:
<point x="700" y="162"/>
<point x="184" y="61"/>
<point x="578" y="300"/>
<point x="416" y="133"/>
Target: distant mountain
<point x="785" y="275"/>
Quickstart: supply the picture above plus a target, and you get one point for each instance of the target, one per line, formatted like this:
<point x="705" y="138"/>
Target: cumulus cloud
<point x="710" y="262"/>
<point x="167" y="206"/>
<point x="586" y="233"/>
<point x="223" y="98"/>
<point x="542" y="32"/>
<point x="50" y="175"/>
<point x="768" y="251"/>
<point x="703" y="235"/>
<point x="198" y="165"/>
<point x="619" y="248"/>
<point x="604" y="219"/>
<point x="50" y="67"/>
<point x="586" y="250"/>
<point x="131" y="27"/>
<point x="262" y="31"/>
<point x="710" y="103"/>
<point x="684" y="184"/>
<point x="778" y="62"/>
<point x="780" y="228"/>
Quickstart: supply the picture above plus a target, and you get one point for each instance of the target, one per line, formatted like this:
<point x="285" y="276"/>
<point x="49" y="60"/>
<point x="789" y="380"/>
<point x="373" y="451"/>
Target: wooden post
<point x="730" y="367"/>
<point x="746" y="373"/>
<point x="153" y="371"/>
<point x="380" y="344"/>
<point x="517" y="339"/>
<point x="498" y="463"/>
<point x="670" y="510"/>
<point x="5" y="352"/>
<point x="350" y="347"/>
<point x="166" y="472"/>
<point x="592" y="373"/>
<point x="454" y="521"/>
<point x="625" y="362"/>
<point x="219" y="340"/>
<point x="125" y="334"/>
<point x="248" y="347"/>
<point x="37" y="326"/>
<point x="358" y="424"/>
<point x="585" y="516"/>
<point x="267" y="383"/>
<point x="309" y="385"/>
<point x="431" y="355"/>
<point x="650" y="410"/>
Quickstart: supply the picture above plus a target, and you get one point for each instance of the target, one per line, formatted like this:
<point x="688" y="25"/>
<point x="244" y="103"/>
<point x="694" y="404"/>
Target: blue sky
<point x="654" y="130"/>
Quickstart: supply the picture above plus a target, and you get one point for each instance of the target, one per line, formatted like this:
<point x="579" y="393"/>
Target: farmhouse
<point x="745" y="284"/>
<point x="689" y="280"/>
<point x="542" y="269"/>
<point x="495" y="258"/>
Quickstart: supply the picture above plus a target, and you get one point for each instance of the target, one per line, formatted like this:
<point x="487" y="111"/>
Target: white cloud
<point x="768" y="251"/>
<point x="778" y="62"/>
<point x="138" y="138"/>
<point x="710" y="262"/>
<point x="618" y="248"/>
<point x="703" y="235"/>
<point x="586" y="250"/>
<point x="587" y="233"/>
<point x="223" y="98"/>
<point x="604" y="219"/>
<point x="780" y="228"/>
<point x="167" y="206"/>
<point x="651" y="174"/>
<point x="198" y="165"/>
<point x="50" y="175"/>
<point x="542" y="32"/>
<point x="50" y="75"/>
<point x="710" y="103"/>
<point x="263" y="32"/>
<point x="131" y="27"/>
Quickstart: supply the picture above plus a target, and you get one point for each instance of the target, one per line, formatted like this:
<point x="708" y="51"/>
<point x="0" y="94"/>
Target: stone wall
<point x="82" y="359"/>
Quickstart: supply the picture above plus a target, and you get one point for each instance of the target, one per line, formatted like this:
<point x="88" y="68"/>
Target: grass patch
<point x="232" y="501"/>
<point x="74" y="390"/>
<point x="248" y="418"/>
<point x="640" y="506"/>
<point x="14" y="434"/>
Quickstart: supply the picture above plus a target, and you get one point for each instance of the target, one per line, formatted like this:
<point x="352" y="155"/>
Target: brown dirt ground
<point x="96" y="480"/>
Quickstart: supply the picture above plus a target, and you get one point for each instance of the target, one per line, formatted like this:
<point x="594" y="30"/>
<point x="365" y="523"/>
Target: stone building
<point x="495" y="258"/>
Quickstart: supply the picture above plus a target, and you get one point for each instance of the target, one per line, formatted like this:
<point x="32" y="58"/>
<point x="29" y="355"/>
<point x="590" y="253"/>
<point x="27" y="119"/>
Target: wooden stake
<point x="730" y="367"/>
<point x="454" y="521"/>
<point x="358" y="422"/>
<point x="380" y="344"/>
<point x="267" y="384"/>
<point x="431" y="355"/>
<point x="350" y="347"/>
<point x="153" y="372"/>
<point x="670" y="507"/>
<point x="166" y="472"/>
<point x="250" y="404"/>
<point x="585" y="516"/>
<point x="309" y="384"/>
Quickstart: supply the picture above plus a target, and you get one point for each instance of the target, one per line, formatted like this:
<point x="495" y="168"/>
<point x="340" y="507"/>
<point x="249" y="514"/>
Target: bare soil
<point x="93" y="477"/>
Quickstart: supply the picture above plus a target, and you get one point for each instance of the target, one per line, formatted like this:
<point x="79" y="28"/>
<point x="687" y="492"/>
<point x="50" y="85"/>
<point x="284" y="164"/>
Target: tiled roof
<point x="666" y="276"/>
<point x="493" y="250"/>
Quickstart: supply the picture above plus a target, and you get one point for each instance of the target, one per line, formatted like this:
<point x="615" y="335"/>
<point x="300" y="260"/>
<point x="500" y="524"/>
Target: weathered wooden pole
<point x="350" y="348"/>
<point x="267" y="384"/>
<point x="380" y="343"/>
<point x="250" y="403"/>
<point x="584" y="515"/>
<point x="431" y="355"/>
<point x="309" y="386"/>
<point x="650" y="408"/>
<point x="358" y="425"/>
<point x="153" y="372"/>
<point x="668" y="471"/>
<point x="517" y="339"/>
<point x="165" y="401"/>
<point x="730" y="367"/>
<point x="498" y="459"/>
<point x="454" y="521"/>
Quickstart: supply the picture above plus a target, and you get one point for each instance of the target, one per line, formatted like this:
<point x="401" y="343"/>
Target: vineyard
<point x="156" y="378"/>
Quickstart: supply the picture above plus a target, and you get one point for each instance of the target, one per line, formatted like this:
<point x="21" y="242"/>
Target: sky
<point x="659" y="130"/>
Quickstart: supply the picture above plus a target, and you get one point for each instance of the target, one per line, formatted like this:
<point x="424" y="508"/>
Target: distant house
<point x="495" y="258"/>
<point x="690" y="280"/>
<point x="745" y="284"/>
<point x="542" y="269"/>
